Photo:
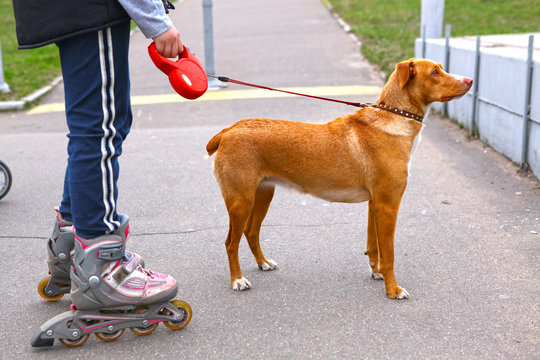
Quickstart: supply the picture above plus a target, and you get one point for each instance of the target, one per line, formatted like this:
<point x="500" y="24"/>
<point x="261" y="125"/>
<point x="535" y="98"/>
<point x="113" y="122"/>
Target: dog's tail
<point x="213" y="144"/>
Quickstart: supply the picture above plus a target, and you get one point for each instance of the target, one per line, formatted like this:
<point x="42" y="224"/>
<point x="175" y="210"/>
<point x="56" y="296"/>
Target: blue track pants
<point x="98" y="112"/>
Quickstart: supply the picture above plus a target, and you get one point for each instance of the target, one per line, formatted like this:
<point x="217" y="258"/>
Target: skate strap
<point x="111" y="253"/>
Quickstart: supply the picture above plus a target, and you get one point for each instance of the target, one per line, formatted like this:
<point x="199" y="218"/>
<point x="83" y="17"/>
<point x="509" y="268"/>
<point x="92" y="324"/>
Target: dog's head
<point x="426" y="81"/>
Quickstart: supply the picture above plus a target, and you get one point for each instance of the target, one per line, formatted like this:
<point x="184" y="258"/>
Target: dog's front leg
<point x="385" y="211"/>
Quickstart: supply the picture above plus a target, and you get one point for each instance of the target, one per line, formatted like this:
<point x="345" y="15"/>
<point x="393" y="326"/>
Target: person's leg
<point x="103" y="274"/>
<point x="96" y="81"/>
<point x="96" y="77"/>
<point x="65" y="205"/>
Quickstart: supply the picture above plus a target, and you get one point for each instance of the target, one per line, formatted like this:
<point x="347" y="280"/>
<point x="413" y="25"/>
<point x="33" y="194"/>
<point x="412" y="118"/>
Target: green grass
<point x="387" y="28"/>
<point x="24" y="70"/>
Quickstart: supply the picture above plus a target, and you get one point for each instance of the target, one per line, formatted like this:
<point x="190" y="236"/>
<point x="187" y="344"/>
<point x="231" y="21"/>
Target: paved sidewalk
<point x="467" y="243"/>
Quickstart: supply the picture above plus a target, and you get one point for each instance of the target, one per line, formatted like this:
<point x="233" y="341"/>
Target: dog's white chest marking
<point x="416" y="141"/>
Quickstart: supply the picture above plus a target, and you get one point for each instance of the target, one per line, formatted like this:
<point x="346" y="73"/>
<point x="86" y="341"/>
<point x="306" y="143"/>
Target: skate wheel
<point x="184" y="308"/>
<point x="75" y="343"/>
<point x="143" y="330"/>
<point x="109" y="336"/>
<point x="41" y="290"/>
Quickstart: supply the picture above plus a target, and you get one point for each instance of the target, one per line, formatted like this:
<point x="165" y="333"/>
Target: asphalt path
<point x="467" y="242"/>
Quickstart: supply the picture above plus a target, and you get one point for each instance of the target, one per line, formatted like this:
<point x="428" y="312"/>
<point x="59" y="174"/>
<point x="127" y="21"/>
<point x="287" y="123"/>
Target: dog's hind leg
<point x="372" y="248"/>
<point x="239" y="207"/>
<point x="263" y="197"/>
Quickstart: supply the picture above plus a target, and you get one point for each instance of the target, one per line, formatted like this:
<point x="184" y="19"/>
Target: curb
<point x="346" y="27"/>
<point x="20" y="104"/>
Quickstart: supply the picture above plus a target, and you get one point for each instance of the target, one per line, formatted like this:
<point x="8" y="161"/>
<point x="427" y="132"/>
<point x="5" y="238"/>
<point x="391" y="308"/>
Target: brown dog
<point x="360" y="157"/>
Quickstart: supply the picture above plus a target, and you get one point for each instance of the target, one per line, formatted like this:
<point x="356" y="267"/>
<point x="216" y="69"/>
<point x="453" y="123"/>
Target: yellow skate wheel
<point x="143" y="330"/>
<point x="185" y="309"/>
<point x="107" y="337"/>
<point x="75" y="343"/>
<point x="41" y="290"/>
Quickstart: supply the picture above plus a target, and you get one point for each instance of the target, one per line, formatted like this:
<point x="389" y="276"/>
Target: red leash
<point x="226" y="79"/>
<point x="357" y="104"/>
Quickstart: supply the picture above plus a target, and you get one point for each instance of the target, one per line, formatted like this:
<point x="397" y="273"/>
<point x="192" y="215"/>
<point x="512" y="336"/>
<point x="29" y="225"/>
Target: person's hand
<point x="169" y="43"/>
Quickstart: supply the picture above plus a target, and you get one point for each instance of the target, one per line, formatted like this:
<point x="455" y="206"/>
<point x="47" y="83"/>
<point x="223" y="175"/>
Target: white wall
<point x="501" y="81"/>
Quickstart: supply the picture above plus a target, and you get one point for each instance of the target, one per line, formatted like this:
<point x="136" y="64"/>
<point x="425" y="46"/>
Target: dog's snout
<point x="468" y="81"/>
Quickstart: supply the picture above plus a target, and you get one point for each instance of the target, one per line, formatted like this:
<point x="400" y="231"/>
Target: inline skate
<point x="110" y="295"/>
<point x="60" y="257"/>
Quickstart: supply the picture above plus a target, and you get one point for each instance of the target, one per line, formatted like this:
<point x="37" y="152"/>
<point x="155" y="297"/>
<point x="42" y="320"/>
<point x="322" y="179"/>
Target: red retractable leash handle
<point x="186" y="75"/>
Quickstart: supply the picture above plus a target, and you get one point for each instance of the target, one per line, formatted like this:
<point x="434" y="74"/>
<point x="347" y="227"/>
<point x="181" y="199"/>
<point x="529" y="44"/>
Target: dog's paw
<point x="268" y="265"/>
<point x="400" y="295"/>
<point x="377" y="276"/>
<point x="241" y="284"/>
<point x="403" y="294"/>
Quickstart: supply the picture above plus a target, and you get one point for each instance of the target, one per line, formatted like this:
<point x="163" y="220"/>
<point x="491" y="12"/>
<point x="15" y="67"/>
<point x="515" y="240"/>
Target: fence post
<point x="432" y="18"/>
<point x="423" y="33"/>
<point x="447" y="30"/>
<point x="475" y="85"/>
<point x="210" y="65"/>
<point x="527" y="105"/>
<point x="4" y="87"/>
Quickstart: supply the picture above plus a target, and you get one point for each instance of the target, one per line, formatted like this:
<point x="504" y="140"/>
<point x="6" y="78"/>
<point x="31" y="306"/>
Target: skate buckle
<point x="114" y="253"/>
<point x="73" y="307"/>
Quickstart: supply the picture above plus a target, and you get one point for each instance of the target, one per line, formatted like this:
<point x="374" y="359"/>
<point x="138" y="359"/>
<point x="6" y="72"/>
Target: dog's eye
<point x="435" y="72"/>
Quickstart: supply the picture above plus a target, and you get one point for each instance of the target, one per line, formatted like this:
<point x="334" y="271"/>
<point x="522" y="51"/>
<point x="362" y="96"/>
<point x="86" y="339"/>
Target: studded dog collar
<point x="398" y="111"/>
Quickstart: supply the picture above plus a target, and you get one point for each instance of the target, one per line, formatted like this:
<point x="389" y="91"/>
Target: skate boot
<point x="110" y="294"/>
<point x="60" y="257"/>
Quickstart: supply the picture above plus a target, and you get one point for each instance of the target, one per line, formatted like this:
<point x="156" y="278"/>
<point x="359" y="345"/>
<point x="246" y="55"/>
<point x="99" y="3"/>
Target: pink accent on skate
<point x="86" y="330"/>
<point x="127" y="231"/>
<point x="119" y="318"/>
<point x="135" y="284"/>
<point x="59" y="217"/>
<point x="160" y="275"/>
<point x="80" y="241"/>
<point x="73" y="307"/>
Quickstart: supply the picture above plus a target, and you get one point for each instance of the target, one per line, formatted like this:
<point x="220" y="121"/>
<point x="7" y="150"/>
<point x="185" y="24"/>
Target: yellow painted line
<point x="356" y="90"/>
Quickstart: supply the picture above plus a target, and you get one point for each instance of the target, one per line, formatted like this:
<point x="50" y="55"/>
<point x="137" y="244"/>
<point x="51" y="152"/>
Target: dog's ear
<point x="405" y="72"/>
